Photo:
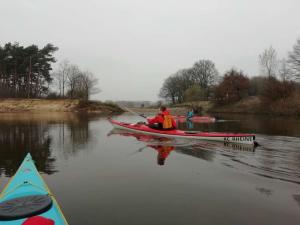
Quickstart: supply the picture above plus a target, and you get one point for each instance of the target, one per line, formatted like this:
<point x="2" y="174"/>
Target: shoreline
<point x="11" y="105"/>
<point x="249" y="106"/>
<point x="252" y="106"/>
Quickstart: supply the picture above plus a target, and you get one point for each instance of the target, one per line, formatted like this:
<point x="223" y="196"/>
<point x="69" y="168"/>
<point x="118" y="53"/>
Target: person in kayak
<point x="162" y="121"/>
<point x="190" y="114"/>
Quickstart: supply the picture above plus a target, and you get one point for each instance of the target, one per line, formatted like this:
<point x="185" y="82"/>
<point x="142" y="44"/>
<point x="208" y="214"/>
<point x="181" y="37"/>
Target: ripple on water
<point x="277" y="157"/>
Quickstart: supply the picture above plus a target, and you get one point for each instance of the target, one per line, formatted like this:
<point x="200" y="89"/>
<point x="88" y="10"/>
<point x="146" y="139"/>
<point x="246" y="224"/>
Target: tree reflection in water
<point x="16" y="139"/>
<point x="72" y="136"/>
<point x="35" y="133"/>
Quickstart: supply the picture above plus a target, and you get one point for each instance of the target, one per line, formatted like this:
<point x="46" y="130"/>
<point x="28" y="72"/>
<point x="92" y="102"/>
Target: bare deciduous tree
<point x="204" y="73"/>
<point x="174" y="86"/>
<point x="72" y="79"/>
<point x="294" y="60"/>
<point x="61" y="76"/>
<point x="86" y="85"/>
<point x="284" y="70"/>
<point x="268" y="62"/>
<point x="75" y="83"/>
<point x="168" y="91"/>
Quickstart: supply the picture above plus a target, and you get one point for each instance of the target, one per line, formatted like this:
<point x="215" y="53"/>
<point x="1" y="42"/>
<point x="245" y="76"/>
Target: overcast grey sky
<point x="133" y="45"/>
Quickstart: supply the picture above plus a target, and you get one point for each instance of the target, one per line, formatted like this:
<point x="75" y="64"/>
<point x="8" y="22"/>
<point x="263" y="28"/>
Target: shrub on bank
<point x="257" y="85"/>
<point x="276" y="97"/>
<point x="274" y="90"/>
<point x="233" y="88"/>
<point x="285" y="106"/>
<point x="280" y="97"/>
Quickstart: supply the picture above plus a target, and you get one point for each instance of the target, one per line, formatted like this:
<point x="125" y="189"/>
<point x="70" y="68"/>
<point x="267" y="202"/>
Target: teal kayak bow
<point x="27" y="196"/>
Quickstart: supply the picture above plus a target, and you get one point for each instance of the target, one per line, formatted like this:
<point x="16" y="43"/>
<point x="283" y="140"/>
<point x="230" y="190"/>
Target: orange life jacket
<point x="167" y="122"/>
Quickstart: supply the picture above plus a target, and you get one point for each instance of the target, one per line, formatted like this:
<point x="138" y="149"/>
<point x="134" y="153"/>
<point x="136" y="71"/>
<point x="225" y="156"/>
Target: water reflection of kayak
<point x="138" y="136"/>
<point x="223" y="137"/>
<point x="224" y="146"/>
<point x="162" y="145"/>
<point x="196" y="119"/>
<point x="206" y="145"/>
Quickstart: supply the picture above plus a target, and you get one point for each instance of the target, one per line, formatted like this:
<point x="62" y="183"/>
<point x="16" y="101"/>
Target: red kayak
<point x="224" y="137"/>
<point x="196" y="119"/>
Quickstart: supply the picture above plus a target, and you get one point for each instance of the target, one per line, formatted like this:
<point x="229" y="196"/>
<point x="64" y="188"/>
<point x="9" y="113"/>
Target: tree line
<point x="26" y="72"/>
<point x="72" y="82"/>
<point x="278" y="79"/>
<point x="190" y="84"/>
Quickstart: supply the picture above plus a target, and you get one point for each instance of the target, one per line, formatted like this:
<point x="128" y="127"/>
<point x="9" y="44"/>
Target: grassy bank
<point x="204" y="105"/>
<point x="177" y="109"/>
<point x="180" y="110"/>
<point x="57" y="105"/>
<point x="255" y="105"/>
<point x="251" y="105"/>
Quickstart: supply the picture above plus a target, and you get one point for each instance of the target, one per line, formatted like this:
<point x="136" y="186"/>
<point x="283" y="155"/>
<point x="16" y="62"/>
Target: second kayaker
<point x="190" y="114"/>
<point x="163" y="120"/>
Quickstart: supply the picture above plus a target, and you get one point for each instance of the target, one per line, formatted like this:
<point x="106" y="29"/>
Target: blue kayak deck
<point x="27" y="181"/>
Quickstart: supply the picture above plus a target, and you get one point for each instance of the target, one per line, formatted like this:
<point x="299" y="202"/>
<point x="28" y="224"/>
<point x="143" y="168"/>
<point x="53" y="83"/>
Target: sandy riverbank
<point x="57" y="105"/>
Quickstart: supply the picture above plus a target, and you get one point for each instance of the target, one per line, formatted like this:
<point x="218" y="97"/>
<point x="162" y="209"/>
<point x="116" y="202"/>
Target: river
<point x="105" y="176"/>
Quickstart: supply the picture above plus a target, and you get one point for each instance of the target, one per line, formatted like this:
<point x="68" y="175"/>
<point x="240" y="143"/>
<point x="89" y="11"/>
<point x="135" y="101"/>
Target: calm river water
<point x="109" y="177"/>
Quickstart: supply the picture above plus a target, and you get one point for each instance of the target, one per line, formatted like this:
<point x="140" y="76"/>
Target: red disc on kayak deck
<point x="38" y="220"/>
